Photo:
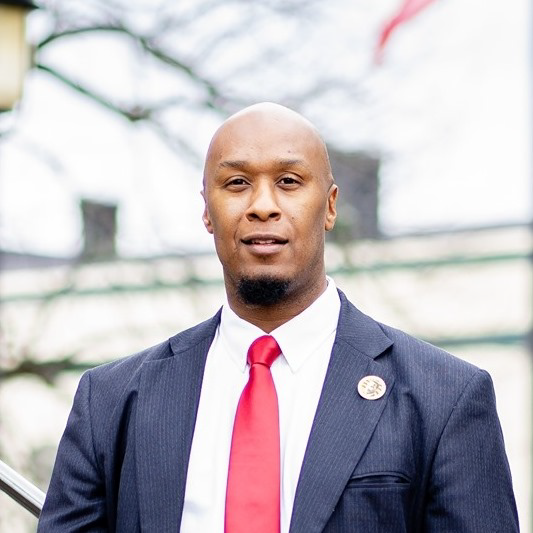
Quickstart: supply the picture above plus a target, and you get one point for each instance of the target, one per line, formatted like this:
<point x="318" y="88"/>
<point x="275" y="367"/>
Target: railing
<point x="21" y="490"/>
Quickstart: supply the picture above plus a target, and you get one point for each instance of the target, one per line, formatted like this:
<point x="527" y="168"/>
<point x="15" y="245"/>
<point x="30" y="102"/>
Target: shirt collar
<point x="298" y="338"/>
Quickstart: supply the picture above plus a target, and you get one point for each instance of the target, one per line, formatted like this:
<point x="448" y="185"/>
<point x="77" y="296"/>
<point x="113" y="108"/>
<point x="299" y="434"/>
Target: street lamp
<point x="15" y="52"/>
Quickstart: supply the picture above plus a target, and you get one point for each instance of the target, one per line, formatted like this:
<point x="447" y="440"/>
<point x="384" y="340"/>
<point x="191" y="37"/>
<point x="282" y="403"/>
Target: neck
<point x="270" y="317"/>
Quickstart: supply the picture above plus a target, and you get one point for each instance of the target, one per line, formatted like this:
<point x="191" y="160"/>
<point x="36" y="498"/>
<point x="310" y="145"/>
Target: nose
<point x="263" y="205"/>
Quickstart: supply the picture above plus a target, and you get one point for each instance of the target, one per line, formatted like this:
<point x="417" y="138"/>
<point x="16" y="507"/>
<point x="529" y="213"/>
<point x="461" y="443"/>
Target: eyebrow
<point x="244" y="165"/>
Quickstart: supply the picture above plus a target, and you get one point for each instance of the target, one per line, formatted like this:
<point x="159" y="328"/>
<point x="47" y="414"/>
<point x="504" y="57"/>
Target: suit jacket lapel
<point x="344" y="421"/>
<point x="168" y="402"/>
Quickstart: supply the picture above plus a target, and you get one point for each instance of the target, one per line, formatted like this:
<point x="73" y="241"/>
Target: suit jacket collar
<point x="169" y="394"/>
<point x="344" y="421"/>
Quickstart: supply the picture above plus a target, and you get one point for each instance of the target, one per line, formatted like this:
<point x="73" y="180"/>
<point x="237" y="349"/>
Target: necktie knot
<point x="263" y="350"/>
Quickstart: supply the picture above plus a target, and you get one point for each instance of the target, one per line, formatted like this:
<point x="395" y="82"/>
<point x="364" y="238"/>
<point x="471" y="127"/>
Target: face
<point x="269" y="198"/>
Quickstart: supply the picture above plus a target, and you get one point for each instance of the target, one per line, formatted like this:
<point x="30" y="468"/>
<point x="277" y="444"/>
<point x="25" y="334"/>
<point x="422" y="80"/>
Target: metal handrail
<point x="21" y="490"/>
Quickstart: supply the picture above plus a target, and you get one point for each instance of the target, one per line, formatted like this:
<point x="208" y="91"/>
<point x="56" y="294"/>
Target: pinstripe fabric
<point x="432" y="460"/>
<point x="428" y="457"/>
<point x="122" y="461"/>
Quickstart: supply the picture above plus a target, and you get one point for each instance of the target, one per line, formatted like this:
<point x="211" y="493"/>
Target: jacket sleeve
<point x="471" y="490"/>
<point x="75" y="500"/>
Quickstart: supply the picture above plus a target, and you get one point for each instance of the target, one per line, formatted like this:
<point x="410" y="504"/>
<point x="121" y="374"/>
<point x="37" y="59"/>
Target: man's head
<point x="269" y="198"/>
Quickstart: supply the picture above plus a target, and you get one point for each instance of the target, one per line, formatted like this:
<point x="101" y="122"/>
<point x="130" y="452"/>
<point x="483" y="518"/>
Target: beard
<point x="263" y="291"/>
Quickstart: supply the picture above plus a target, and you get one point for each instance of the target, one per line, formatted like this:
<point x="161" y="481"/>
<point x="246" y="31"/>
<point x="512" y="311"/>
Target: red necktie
<point x="253" y="492"/>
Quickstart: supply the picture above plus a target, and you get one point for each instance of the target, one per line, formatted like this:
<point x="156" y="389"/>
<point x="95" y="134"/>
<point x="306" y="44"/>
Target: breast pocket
<point x="377" y="502"/>
<point x="379" y="479"/>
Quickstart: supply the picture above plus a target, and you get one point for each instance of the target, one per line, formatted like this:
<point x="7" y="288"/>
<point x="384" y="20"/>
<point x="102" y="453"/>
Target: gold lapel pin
<point x="371" y="387"/>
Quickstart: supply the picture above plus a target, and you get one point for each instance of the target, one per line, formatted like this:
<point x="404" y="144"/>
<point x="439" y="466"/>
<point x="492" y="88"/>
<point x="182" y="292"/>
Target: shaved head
<point x="267" y="118"/>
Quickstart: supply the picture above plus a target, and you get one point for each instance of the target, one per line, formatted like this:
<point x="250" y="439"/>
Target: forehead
<point x="262" y="140"/>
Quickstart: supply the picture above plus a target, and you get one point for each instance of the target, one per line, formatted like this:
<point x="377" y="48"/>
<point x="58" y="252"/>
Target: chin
<point x="266" y="271"/>
<point x="263" y="290"/>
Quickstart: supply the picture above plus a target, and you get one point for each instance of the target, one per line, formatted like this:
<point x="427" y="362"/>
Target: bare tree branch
<point x="48" y="371"/>
<point x="61" y="33"/>
<point x="215" y="100"/>
<point x="133" y="114"/>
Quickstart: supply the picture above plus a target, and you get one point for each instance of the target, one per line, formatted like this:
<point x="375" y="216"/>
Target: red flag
<point x="408" y="10"/>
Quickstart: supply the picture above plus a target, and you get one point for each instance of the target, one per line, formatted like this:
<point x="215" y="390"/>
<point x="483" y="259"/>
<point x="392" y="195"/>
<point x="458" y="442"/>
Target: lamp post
<point x="15" y="52"/>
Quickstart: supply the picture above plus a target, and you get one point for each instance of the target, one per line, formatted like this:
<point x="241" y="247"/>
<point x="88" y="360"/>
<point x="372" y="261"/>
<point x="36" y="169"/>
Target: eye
<point x="289" y="181"/>
<point x="236" y="183"/>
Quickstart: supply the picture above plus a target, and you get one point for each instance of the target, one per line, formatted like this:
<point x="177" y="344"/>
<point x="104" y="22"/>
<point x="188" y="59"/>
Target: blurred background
<point x="425" y="106"/>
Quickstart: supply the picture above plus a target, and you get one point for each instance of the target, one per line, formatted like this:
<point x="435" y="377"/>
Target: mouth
<point x="264" y="240"/>
<point x="264" y="244"/>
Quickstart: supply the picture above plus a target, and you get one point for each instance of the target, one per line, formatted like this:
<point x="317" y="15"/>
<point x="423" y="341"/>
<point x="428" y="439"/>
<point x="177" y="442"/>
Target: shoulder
<point x="124" y="373"/>
<point x="418" y="352"/>
<point x="430" y="371"/>
<point x="417" y="365"/>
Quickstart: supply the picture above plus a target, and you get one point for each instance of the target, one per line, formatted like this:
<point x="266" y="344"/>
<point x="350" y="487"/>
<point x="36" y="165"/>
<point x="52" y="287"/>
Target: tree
<point x="200" y="47"/>
<point x="190" y="57"/>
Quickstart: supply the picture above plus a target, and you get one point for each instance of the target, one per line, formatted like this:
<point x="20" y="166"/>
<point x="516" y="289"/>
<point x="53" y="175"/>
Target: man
<point x="354" y="427"/>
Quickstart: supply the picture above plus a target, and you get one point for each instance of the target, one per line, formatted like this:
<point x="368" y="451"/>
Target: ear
<point x="205" y="216"/>
<point x="331" y="211"/>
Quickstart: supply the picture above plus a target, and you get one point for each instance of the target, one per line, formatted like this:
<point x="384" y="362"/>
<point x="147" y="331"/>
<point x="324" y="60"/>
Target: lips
<point x="264" y="244"/>
<point x="264" y="240"/>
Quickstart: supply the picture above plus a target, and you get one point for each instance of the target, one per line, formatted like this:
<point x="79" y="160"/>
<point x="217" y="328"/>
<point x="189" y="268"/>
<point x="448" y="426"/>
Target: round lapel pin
<point x="371" y="387"/>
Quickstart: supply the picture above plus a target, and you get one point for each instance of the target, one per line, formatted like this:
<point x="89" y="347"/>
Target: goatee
<point x="263" y="291"/>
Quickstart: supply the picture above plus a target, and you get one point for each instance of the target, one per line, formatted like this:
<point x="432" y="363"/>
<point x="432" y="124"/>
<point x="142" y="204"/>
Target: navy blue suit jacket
<point x="426" y="457"/>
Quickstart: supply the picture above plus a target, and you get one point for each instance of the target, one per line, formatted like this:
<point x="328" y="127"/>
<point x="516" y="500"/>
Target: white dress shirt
<point x="306" y="342"/>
